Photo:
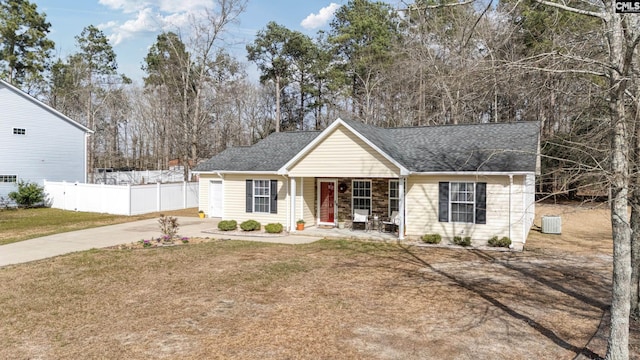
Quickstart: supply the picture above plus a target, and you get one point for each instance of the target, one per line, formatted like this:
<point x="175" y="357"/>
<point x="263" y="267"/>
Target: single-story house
<point x="37" y="142"/>
<point x="455" y="180"/>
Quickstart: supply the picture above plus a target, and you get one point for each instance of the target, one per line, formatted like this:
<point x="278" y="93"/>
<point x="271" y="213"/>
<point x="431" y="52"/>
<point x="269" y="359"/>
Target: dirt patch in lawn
<point x="327" y="300"/>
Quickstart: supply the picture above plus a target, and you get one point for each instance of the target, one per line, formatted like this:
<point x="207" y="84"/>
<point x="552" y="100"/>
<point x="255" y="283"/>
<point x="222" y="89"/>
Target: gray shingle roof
<point x="494" y="147"/>
<point x="502" y="147"/>
<point x="269" y="154"/>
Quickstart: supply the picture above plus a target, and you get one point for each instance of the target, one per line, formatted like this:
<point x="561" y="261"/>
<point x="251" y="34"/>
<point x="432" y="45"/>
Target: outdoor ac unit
<point x="551" y="225"/>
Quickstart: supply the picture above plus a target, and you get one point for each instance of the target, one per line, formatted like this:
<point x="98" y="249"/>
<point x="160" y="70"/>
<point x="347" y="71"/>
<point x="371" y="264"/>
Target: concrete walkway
<point x="111" y="235"/>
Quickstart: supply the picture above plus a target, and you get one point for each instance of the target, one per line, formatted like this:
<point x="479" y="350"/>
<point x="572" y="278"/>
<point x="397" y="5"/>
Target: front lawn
<point x="327" y="300"/>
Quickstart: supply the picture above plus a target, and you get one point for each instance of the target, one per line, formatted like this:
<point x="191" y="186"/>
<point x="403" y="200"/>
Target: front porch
<point x="329" y="204"/>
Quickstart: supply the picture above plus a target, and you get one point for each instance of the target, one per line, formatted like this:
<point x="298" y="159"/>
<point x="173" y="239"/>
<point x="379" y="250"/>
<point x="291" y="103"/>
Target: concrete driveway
<point x="111" y="235"/>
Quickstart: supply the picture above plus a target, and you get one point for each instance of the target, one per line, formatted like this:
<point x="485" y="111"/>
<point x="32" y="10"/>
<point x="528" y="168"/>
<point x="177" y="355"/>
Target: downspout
<point x="86" y="159"/>
<point x="510" y="195"/>
<point x="401" y="207"/>
<point x="525" y="214"/>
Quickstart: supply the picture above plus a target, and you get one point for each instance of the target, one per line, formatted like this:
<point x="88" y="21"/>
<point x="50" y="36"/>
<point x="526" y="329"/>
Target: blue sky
<point x="132" y="25"/>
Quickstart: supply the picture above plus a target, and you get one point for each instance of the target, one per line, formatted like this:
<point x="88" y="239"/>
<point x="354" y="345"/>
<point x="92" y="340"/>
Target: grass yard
<point x="22" y="224"/>
<point x="326" y="300"/>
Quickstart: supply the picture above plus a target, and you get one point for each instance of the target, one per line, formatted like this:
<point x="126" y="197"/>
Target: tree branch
<point x="572" y="9"/>
<point x="477" y="21"/>
<point x="523" y="64"/>
<point x="563" y="71"/>
<point x="438" y="6"/>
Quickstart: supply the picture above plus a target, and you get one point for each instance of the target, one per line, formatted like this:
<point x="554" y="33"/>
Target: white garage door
<point x="215" y="198"/>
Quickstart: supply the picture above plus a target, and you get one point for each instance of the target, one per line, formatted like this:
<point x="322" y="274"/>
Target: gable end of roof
<point x="45" y="106"/>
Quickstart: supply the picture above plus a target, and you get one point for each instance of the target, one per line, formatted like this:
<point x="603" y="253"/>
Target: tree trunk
<point x="635" y="214"/>
<point x="635" y="248"/>
<point x="91" y="148"/>
<point x="278" y="103"/>
<point x="618" y="344"/>
<point x="302" y="99"/>
<point x="318" y="108"/>
<point x="619" y="56"/>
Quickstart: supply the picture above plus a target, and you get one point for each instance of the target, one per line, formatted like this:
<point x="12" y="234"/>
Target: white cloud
<point x="146" y="21"/>
<point x="127" y="6"/>
<point x="314" y="21"/>
<point x="165" y="6"/>
<point x="177" y="6"/>
<point x="151" y="16"/>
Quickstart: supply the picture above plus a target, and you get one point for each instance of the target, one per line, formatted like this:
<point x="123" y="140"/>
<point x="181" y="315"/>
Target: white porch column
<point x="401" y="211"/>
<point x="292" y="190"/>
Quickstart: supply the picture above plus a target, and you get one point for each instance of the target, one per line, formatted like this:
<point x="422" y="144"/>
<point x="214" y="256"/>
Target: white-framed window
<point x="19" y="131"/>
<point x="261" y="196"/>
<point x="8" y="178"/>
<point x="394" y="196"/>
<point x="361" y="195"/>
<point x="462" y="202"/>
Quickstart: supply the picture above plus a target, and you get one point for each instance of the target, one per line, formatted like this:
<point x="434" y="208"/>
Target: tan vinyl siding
<point x="305" y="193"/>
<point x="309" y="200"/>
<point x="203" y="184"/>
<point x="529" y="202"/>
<point x="342" y="154"/>
<point x="235" y="205"/>
<point x="422" y="209"/>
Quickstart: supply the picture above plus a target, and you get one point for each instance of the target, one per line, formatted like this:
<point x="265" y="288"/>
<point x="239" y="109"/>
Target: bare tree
<point x="622" y="34"/>
<point x="187" y="76"/>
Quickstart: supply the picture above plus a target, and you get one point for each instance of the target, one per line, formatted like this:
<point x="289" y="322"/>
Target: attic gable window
<point x="19" y="131"/>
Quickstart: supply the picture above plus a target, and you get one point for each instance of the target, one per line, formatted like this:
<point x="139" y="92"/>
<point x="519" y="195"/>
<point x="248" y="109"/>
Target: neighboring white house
<point x="455" y="180"/>
<point x="38" y="142"/>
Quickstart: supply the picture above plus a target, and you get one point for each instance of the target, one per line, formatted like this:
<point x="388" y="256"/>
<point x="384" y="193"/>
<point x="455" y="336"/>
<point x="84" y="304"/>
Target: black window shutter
<point x="481" y="203"/>
<point x="443" y="202"/>
<point x="249" y="198"/>
<point x="274" y="197"/>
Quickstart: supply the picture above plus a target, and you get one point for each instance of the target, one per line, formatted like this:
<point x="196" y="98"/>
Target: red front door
<point x="327" y="195"/>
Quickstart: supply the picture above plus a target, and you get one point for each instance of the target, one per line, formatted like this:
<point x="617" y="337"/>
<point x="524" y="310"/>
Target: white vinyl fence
<point x="121" y="199"/>
<point x="106" y="176"/>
